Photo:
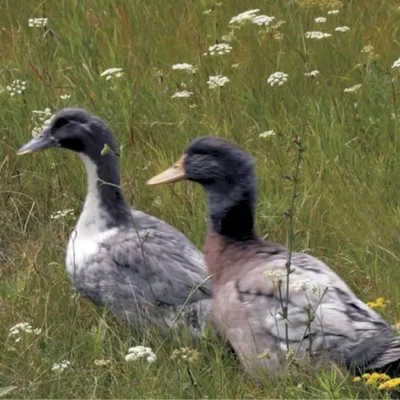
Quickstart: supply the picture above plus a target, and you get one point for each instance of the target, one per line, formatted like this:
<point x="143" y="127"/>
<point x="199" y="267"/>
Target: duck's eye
<point x="60" y="123"/>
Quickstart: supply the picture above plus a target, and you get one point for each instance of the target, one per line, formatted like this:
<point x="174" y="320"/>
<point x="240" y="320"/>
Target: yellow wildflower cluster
<point x="321" y="3"/>
<point x="379" y="304"/>
<point x="372" y="379"/>
<point x="185" y="355"/>
<point x="390" y="384"/>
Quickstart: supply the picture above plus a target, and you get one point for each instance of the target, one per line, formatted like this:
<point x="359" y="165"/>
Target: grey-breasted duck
<point x="248" y="276"/>
<point x="136" y="265"/>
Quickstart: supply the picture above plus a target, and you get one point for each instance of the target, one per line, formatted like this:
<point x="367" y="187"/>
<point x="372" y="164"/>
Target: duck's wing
<point x="323" y="314"/>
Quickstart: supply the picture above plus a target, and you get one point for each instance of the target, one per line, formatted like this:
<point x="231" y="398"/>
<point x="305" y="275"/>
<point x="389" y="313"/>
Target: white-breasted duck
<point x="139" y="267"/>
<point x="248" y="276"/>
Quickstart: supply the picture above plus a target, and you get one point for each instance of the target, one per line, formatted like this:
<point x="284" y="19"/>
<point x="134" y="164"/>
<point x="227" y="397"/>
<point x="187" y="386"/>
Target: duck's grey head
<point x="74" y="129"/>
<point x="212" y="162"/>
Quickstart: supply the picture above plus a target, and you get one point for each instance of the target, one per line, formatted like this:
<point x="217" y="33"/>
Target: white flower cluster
<point x="342" y="29"/>
<point x="275" y="275"/>
<point x="37" y="22"/>
<point x="267" y="134"/>
<point x="317" y="35"/>
<point x="182" y="94"/>
<point x="112" y="73"/>
<point x="353" y="88"/>
<point x="220" y="48"/>
<point x="17" y="329"/>
<point x="312" y="73"/>
<point x="251" y="16"/>
<point x="62" y="213"/>
<point x="278" y="78"/>
<point x="42" y="120"/>
<point x="262" y="20"/>
<point x="333" y="12"/>
<point x="185" y="67"/>
<point x="65" y="96"/>
<point x="60" y="366"/>
<point x="17" y="87"/>
<point x="396" y="64"/>
<point x="217" y="81"/>
<point x="367" y="49"/>
<point x="134" y="353"/>
<point x="305" y="285"/>
<point x="320" y="20"/>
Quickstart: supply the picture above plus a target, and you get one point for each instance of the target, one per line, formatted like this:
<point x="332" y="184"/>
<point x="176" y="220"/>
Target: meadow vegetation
<point x="347" y="212"/>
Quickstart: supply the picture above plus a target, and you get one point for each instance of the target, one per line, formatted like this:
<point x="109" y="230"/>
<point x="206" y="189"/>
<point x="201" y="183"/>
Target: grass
<point x="347" y="213"/>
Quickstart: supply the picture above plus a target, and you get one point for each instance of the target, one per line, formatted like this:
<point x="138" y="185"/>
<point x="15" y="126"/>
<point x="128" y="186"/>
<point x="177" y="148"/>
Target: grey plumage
<point x="139" y="267"/>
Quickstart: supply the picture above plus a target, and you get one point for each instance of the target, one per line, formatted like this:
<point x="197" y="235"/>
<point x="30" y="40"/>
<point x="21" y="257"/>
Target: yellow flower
<point x="375" y="377"/>
<point x="357" y="379"/>
<point x="379" y="304"/>
<point x="390" y="384"/>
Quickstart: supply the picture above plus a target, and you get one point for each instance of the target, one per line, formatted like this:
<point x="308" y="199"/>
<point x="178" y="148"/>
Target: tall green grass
<point x="348" y="210"/>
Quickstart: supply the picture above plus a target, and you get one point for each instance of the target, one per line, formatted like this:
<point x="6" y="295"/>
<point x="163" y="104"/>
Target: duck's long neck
<point x="105" y="206"/>
<point x="231" y="212"/>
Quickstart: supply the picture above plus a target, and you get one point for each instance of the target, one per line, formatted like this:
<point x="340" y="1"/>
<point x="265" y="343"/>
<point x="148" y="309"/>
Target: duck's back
<point x="145" y="272"/>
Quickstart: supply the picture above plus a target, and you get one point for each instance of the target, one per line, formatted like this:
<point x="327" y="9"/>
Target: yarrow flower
<point x="390" y="384"/>
<point x="277" y="78"/>
<point x="244" y="17"/>
<point x="112" y="73"/>
<point x="342" y="29"/>
<point x="305" y="285"/>
<point x="185" y="355"/>
<point x="37" y="22"/>
<point x="333" y="12"/>
<point x="396" y="64"/>
<point x="220" y="48"/>
<point x="352" y="88"/>
<point x="41" y="120"/>
<point x="59" y="367"/>
<point x="102" y="363"/>
<point x="182" y="94"/>
<point x="267" y="134"/>
<point x="262" y="20"/>
<point x="217" y="81"/>
<point x="65" y="96"/>
<point x="134" y="353"/>
<point x="185" y="67"/>
<point x="312" y="73"/>
<point x="17" y="87"/>
<point x="317" y="35"/>
<point x="62" y="214"/>
<point x="21" y="327"/>
<point x="379" y="304"/>
<point x="320" y="20"/>
<point x="275" y="275"/>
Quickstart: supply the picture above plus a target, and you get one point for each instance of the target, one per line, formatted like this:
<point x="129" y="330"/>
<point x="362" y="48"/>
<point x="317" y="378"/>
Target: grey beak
<point x="41" y="142"/>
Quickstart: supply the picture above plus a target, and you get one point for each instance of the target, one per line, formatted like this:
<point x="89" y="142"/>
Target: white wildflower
<point x="227" y="38"/>
<point x="262" y="20"/>
<point x="396" y="64"/>
<point x="217" y="81"/>
<point x="60" y="366"/>
<point x="236" y="65"/>
<point x="306" y="284"/>
<point x="17" y="87"/>
<point x="42" y="120"/>
<point x="312" y="73"/>
<point x="353" y="88"/>
<point x="134" y="353"/>
<point x="185" y="67"/>
<point x="277" y="78"/>
<point x="62" y="213"/>
<point x="267" y="133"/>
<point x="65" y="96"/>
<point x="102" y="363"/>
<point x="342" y="29"/>
<point x="23" y="327"/>
<point x="320" y="20"/>
<point x="37" y="22"/>
<point x="207" y="11"/>
<point x="317" y="35"/>
<point x="367" y="49"/>
<point x="182" y="94"/>
<point x="220" y="48"/>
<point x="111" y="73"/>
<point x="333" y="12"/>
<point x="275" y="275"/>
<point x="244" y="17"/>
<point x="193" y="105"/>
<point x="278" y="36"/>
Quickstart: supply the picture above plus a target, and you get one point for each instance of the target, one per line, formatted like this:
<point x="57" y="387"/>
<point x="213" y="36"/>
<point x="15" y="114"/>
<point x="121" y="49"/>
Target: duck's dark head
<point x="227" y="174"/>
<point x="74" y="129"/>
